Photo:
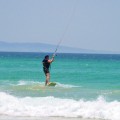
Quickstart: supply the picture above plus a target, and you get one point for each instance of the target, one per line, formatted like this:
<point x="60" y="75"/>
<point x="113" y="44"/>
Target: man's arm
<point x="51" y="60"/>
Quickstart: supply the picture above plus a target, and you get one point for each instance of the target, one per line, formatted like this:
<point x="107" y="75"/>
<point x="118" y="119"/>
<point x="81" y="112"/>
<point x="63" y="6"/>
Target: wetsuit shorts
<point x="46" y="70"/>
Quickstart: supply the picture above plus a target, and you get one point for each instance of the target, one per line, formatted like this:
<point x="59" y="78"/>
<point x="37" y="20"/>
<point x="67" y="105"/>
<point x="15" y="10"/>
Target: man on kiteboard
<point x="46" y="65"/>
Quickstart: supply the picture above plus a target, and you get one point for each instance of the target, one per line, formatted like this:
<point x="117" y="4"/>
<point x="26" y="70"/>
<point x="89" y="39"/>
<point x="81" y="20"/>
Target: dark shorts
<point x="46" y="70"/>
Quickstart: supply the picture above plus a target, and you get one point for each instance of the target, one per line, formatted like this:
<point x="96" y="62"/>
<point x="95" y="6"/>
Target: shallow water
<point x="88" y="86"/>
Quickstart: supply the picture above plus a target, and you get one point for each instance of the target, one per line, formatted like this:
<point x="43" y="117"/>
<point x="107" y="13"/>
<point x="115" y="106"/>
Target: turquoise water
<point x="82" y="79"/>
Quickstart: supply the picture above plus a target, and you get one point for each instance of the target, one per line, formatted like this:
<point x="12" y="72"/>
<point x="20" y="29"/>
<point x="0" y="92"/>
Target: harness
<point x="46" y="64"/>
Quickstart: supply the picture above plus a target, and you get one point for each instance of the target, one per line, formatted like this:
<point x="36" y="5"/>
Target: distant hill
<point x="40" y="47"/>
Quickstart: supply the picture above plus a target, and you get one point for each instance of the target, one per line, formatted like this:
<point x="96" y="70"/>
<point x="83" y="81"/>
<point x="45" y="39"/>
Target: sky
<point x="87" y="24"/>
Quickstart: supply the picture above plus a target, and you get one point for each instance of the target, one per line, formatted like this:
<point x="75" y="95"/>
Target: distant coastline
<point x="42" y="47"/>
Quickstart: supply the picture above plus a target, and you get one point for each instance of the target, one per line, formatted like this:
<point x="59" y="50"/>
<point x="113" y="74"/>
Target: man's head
<point x="47" y="57"/>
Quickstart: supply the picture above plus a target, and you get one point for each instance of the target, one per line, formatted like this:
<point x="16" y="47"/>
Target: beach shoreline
<point x="41" y="118"/>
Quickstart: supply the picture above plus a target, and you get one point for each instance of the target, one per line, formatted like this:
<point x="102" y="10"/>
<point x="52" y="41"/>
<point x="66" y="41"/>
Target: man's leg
<point x="47" y="78"/>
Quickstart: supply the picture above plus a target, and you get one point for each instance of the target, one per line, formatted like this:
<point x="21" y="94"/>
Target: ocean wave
<point x="23" y="82"/>
<point x="51" y="106"/>
<point x="66" y="85"/>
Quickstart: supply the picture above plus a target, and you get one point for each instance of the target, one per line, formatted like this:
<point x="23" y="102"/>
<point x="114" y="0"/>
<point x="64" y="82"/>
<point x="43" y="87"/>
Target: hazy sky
<point x="93" y="24"/>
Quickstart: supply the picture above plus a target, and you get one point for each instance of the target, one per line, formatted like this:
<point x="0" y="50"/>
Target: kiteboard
<point x="51" y="84"/>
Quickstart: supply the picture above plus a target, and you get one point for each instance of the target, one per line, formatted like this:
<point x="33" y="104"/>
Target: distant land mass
<point x="41" y="47"/>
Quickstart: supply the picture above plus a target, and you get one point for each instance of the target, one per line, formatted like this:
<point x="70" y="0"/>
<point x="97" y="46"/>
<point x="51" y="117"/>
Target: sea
<point x="88" y="87"/>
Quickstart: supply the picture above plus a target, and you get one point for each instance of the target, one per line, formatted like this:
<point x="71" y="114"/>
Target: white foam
<point x="65" y="85"/>
<point x="24" y="82"/>
<point x="50" y="106"/>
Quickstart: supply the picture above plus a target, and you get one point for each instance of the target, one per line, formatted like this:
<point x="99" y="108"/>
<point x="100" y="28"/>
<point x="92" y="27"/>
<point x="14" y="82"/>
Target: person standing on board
<point x="46" y="65"/>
